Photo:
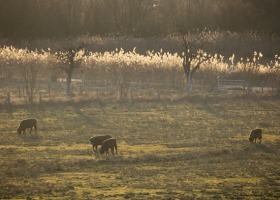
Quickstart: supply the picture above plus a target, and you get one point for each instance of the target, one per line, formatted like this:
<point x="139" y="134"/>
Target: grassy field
<point x="183" y="149"/>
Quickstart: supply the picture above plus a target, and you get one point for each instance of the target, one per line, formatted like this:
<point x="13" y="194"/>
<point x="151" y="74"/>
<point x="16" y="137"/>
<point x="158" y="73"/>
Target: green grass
<point x="167" y="150"/>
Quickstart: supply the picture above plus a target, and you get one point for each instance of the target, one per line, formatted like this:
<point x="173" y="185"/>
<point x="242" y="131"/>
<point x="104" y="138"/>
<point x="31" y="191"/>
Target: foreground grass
<point x="166" y="150"/>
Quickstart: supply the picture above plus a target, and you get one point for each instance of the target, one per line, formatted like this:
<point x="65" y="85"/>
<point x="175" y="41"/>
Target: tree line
<point x="31" y="19"/>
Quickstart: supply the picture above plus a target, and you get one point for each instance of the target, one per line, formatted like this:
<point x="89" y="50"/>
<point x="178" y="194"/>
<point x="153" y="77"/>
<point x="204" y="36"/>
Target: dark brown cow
<point x="256" y="134"/>
<point x="97" y="140"/>
<point x="109" y="144"/>
<point x="27" y="123"/>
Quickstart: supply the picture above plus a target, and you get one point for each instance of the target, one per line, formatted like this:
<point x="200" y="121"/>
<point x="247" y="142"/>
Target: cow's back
<point x="28" y="123"/>
<point x="256" y="133"/>
<point x="109" y="143"/>
<point x="98" y="140"/>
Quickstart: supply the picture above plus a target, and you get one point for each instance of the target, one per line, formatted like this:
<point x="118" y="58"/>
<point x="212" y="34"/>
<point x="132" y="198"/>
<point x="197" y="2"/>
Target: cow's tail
<point x="35" y="126"/>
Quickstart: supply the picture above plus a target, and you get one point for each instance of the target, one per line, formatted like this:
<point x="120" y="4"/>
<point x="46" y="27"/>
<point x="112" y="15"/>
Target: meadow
<point x="171" y="145"/>
<point x="191" y="148"/>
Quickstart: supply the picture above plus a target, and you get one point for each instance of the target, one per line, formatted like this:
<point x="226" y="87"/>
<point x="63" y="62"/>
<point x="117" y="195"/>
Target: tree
<point x="29" y="76"/>
<point x="70" y="61"/>
<point x="191" y="61"/>
<point x="29" y="63"/>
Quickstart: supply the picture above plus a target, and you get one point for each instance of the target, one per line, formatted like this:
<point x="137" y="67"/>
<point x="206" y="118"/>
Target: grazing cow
<point x="110" y="143"/>
<point x="27" y="123"/>
<point x="256" y="134"/>
<point x="97" y="140"/>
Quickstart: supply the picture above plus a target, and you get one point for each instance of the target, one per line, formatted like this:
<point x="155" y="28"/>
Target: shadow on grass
<point x="31" y="139"/>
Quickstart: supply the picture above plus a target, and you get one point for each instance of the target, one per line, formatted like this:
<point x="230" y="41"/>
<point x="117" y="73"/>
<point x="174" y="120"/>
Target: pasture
<point x="191" y="148"/>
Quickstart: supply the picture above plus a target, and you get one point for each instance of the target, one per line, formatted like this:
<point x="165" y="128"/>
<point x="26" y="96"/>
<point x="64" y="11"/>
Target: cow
<point x="27" y="123"/>
<point x="110" y="143"/>
<point x="97" y="140"/>
<point x="256" y="134"/>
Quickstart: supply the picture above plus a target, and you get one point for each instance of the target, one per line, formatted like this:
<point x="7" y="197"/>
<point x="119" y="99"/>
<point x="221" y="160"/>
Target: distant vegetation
<point x="87" y="60"/>
<point x="31" y="19"/>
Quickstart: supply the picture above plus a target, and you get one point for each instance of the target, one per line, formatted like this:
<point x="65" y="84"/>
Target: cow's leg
<point x="30" y="130"/>
<point x="95" y="148"/>
<point x="35" y="128"/>
<point x="116" y="150"/>
<point x="112" y="150"/>
<point x="260" y="140"/>
<point x="107" y="151"/>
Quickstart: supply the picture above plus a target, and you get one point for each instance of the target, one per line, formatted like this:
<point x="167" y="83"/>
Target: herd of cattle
<point x="106" y="141"/>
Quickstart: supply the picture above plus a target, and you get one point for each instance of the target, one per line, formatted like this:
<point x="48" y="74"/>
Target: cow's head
<point x="92" y="141"/>
<point x="93" y="144"/>
<point x="19" y="131"/>
<point x="251" y="139"/>
<point x="102" y="150"/>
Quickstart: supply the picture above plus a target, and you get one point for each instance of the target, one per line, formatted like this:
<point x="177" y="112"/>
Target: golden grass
<point x="166" y="150"/>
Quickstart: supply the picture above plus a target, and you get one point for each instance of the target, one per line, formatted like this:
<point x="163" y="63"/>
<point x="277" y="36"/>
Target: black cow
<point x="27" y="123"/>
<point x="256" y="134"/>
<point x="97" y="140"/>
<point x="110" y="143"/>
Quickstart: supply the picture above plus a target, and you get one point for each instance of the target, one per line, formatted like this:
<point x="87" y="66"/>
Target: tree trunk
<point x="189" y="84"/>
<point x="278" y="89"/>
<point x="68" y="84"/>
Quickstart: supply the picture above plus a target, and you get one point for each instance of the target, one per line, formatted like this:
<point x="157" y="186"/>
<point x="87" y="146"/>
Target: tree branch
<point x="197" y="66"/>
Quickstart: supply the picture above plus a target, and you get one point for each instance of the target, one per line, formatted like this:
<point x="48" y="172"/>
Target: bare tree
<point x="29" y="76"/>
<point x="29" y="63"/>
<point x="70" y="60"/>
<point x="191" y="61"/>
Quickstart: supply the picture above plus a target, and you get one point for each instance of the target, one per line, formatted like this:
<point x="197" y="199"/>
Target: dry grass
<point x="167" y="150"/>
